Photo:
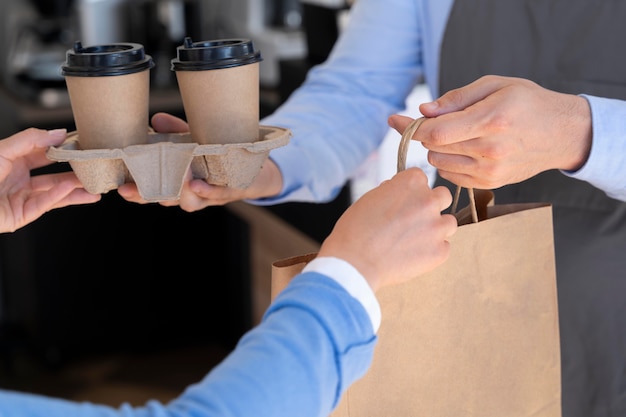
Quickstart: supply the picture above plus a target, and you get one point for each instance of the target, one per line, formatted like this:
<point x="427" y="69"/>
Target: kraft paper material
<point x="478" y="336"/>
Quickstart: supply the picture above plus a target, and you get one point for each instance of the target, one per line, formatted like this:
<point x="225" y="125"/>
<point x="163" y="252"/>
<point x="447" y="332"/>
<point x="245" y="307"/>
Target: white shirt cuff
<point x="351" y="279"/>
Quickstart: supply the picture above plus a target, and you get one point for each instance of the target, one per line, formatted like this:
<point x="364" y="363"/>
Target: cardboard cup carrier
<point x="113" y="144"/>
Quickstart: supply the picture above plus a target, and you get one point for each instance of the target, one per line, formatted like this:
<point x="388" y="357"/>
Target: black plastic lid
<point x="215" y="54"/>
<point x="104" y="60"/>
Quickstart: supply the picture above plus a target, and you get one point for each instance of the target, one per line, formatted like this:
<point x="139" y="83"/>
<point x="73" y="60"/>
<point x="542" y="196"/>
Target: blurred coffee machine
<point x="159" y="25"/>
<point x="33" y="42"/>
<point x="35" y="34"/>
<point x="275" y="27"/>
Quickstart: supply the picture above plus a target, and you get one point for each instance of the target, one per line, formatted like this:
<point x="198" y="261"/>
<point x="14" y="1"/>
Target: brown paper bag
<point x="478" y="336"/>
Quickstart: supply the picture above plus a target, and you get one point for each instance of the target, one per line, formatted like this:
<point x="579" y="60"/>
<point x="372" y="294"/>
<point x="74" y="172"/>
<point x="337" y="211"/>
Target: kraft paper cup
<point x="109" y="87"/>
<point x="219" y="86"/>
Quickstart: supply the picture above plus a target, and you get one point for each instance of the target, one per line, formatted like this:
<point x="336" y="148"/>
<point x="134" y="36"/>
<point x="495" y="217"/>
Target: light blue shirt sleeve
<point x="339" y="116"/>
<point x="606" y="166"/>
<point x="314" y="341"/>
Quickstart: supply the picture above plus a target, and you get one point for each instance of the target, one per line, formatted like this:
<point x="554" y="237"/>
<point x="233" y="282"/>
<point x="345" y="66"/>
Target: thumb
<point x="399" y="122"/>
<point x="462" y="97"/>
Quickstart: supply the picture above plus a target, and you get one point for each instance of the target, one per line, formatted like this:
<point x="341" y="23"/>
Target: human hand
<point x="23" y="197"/>
<point x="197" y="194"/>
<point x="502" y="130"/>
<point x="394" y="232"/>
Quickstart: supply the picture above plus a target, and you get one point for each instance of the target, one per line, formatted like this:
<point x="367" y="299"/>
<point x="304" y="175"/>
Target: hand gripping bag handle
<point x="403" y="149"/>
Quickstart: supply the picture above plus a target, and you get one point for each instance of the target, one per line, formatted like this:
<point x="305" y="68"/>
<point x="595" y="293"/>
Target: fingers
<point x="48" y="192"/>
<point x="130" y="192"/>
<point x="443" y="196"/>
<point x="395" y="231"/>
<point x="27" y="141"/>
<point x="441" y="131"/>
<point x="462" y="114"/>
<point x="469" y="163"/>
<point x="189" y="199"/>
<point x="75" y="197"/>
<point x="63" y="188"/>
<point x="47" y="181"/>
<point x="399" y="122"/>
<point x="167" y="123"/>
<point x="196" y="194"/>
<point x="461" y="98"/>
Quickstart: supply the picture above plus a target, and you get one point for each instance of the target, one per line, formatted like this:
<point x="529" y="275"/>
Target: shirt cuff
<point x="604" y="169"/>
<point x="351" y="279"/>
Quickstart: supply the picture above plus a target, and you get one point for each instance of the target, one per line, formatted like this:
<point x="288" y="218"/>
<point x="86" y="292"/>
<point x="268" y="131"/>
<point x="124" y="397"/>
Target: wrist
<point x="268" y="183"/>
<point x="578" y="135"/>
<point x="351" y="279"/>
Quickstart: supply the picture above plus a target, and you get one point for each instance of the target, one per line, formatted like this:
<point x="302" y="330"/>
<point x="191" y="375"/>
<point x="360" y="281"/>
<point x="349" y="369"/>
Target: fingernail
<point x="431" y="106"/>
<point x="57" y="132"/>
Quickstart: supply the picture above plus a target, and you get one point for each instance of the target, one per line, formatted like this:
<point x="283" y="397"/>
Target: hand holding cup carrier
<point x="108" y="86"/>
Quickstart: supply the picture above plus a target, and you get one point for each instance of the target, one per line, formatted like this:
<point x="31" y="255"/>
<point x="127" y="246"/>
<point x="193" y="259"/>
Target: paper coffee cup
<point x="109" y="90"/>
<point x="219" y="86"/>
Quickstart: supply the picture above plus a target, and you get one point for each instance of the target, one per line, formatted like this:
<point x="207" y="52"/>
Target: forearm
<point x="314" y="341"/>
<point x="339" y="116"/>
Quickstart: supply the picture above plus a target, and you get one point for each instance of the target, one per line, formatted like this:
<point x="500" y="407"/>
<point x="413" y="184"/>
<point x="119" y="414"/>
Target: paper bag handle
<point x="407" y="135"/>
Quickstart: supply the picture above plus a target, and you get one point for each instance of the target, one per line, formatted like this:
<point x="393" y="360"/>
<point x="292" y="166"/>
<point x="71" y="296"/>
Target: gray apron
<point x="572" y="46"/>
